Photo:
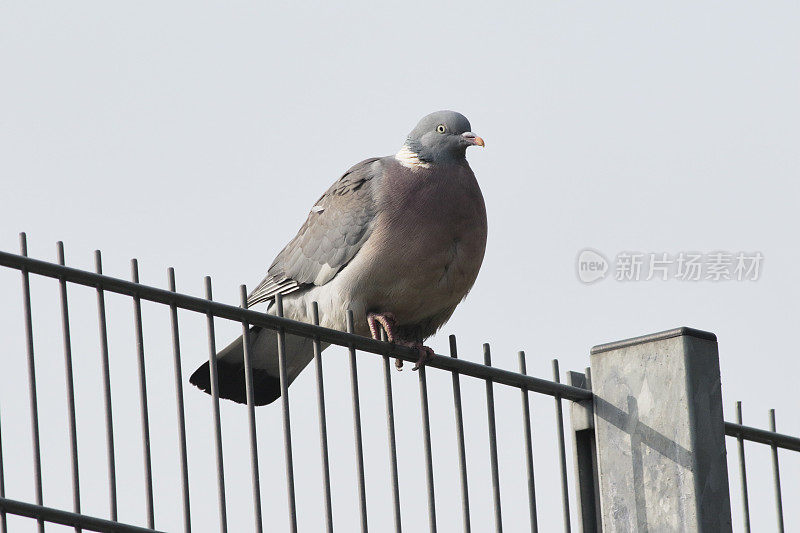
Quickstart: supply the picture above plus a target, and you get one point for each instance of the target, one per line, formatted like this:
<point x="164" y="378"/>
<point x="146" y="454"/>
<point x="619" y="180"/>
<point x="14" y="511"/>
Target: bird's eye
<point x="440" y="128"/>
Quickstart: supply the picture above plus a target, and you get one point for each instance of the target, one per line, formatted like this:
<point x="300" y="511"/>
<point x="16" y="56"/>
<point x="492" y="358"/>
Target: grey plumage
<point x="402" y="234"/>
<point x="333" y="233"/>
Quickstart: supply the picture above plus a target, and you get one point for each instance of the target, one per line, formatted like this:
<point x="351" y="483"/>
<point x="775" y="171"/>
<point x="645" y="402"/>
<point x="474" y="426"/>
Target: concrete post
<point x="660" y="433"/>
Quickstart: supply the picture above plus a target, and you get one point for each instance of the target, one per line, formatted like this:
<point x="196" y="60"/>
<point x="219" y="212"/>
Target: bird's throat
<point x="410" y="159"/>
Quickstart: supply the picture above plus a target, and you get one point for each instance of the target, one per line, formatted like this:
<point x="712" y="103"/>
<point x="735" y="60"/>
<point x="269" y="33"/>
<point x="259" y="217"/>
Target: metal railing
<point x="775" y="441"/>
<point x="213" y="311"/>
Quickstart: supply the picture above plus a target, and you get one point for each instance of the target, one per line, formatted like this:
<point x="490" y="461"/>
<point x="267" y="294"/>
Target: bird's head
<point x="442" y="137"/>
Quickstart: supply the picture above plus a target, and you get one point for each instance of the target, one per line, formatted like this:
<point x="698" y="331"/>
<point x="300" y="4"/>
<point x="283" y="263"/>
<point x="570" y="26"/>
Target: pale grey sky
<point x="198" y="136"/>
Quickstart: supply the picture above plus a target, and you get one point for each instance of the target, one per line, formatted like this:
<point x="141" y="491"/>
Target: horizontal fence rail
<point x="67" y="518"/>
<point x="762" y="436"/>
<point x="303" y="329"/>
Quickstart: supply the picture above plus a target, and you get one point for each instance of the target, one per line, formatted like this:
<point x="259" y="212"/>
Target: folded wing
<point x="335" y="230"/>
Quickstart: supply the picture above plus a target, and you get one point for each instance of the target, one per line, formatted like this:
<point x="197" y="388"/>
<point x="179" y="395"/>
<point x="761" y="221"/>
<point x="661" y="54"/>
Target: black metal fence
<point x="214" y="311"/>
<point x="775" y="441"/>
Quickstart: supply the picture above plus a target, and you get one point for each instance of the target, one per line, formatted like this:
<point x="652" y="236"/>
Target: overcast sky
<point x="199" y="135"/>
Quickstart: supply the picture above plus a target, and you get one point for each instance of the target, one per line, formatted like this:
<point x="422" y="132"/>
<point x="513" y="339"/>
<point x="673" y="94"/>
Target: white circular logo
<point x="592" y="266"/>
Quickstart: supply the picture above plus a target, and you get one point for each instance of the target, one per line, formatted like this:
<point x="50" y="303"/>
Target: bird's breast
<point x="428" y="243"/>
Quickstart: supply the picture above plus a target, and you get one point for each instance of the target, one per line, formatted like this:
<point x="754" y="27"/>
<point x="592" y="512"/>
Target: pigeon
<point x="398" y="240"/>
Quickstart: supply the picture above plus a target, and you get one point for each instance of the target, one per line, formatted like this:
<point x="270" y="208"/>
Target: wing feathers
<point x="335" y="230"/>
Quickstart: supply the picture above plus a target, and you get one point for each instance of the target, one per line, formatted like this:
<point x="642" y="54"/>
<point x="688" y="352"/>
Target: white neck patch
<point x="409" y="158"/>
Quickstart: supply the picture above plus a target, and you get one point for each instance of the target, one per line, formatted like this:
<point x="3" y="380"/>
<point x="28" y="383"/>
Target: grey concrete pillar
<point x="660" y="434"/>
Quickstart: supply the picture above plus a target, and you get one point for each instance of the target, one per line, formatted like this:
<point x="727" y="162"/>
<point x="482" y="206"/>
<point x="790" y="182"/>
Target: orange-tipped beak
<point x="473" y="139"/>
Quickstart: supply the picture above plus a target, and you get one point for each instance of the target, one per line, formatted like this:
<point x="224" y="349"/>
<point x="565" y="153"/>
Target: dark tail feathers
<point x="266" y="388"/>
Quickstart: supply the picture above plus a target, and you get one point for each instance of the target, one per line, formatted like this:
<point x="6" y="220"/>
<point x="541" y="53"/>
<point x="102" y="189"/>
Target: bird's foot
<point x="425" y="353"/>
<point x="388" y="322"/>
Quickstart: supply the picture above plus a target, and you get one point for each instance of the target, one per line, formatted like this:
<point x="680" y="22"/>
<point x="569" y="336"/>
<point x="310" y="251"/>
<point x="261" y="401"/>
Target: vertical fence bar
<point x="178" y="372"/>
<point x="743" y="472"/>
<point x="145" y="419"/>
<point x="498" y="519"/>
<point x="3" y="524"/>
<point x="34" y="406"/>
<point x="526" y="421"/>
<point x="212" y="365"/>
<point x="426" y="434"/>
<point x="323" y="426"/>
<point x="362" y="492"/>
<point x="584" y="455"/>
<point x="287" y="429"/>
<point x="251" y="417"/>
<point x="776" y="473"/>
<point x="387" y="383"/>
<point x="101" y="320"/>
<point x="462" y="453"/>
<point x="562" y="452"/>
<point x="70" y="385"/>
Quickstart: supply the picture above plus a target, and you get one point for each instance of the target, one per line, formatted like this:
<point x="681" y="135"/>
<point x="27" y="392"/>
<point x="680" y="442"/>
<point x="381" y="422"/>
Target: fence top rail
<point x="67" y="518"/>
<point x="341" y="338"/>
<point x="762" y="436"/>
<point x="255" y="318"/>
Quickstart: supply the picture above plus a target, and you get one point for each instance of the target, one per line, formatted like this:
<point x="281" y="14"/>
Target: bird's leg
<point x="387" y="321"/>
